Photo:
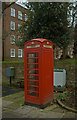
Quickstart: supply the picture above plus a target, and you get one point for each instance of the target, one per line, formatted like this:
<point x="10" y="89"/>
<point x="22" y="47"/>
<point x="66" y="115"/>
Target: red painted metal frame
<point x="45" y="62"/>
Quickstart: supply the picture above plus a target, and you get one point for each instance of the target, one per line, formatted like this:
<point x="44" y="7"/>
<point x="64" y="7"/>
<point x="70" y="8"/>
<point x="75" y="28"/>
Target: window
<point x="20" y="15"/>
<point x="19" y="52"/>
<point x="19" y="25"/>
<point x="26" y="28"/>
<point x="12" y="25"/>
<point x="26" y="17"/>
<point x="13" y="12"/>
<point x="71" y="52"/>
<point x="19" y="38"/>
<point x="12" y="39"/>
<point x="12" y="52"/>
<point x="68" y="52"/>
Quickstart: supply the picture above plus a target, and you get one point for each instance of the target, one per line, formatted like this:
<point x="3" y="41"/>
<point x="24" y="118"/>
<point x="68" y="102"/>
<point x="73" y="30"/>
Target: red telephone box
<point x="38" y="69"/>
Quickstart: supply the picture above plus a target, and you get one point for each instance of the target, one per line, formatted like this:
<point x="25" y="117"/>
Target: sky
<point x="48" y="0"/>
<point x="39" y="1"/>
<point x="20" y="2"/>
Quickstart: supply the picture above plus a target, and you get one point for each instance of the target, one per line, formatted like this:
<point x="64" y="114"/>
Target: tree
<point x="74" y="24"/>
<point x="75" y="42"/>
<point x="48" y="20"/>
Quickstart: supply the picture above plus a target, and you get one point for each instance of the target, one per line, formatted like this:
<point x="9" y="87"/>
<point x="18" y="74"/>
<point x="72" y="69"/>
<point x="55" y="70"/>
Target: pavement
<point x="9" y="90"/>
<point x="12" y="107"/>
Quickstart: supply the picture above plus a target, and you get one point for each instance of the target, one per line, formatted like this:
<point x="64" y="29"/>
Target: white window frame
<point x="19" y="25"/>
<point x="20" y="54"/>
<point x="12" y="25"/>
<point x="20" y="15"/>
<point x="12" y="41"/>
<point x="68" y="52"/>
<point x="19" y="38"/>
<point x="26" y="17"/>
<point x="13" y="12"/>
<point x="71" y="52"/>
<point x="12" y="51"/>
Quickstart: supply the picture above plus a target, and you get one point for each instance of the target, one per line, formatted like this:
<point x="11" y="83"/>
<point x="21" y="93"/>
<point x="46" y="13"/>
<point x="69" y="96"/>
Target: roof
<point x="10" y="5"/>
<point x="16" y="4"/>
<point x="39" y="39"/>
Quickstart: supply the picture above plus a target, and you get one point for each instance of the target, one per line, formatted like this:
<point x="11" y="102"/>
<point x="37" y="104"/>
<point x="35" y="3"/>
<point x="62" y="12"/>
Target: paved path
<point x="13" y="108"/>
<point x="7" y="91"/>
<point x="0" y="108"/>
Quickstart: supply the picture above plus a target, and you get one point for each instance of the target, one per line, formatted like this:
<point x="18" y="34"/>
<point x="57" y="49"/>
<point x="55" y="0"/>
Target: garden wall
<point x="70" y="67"/>
<point x="58" y="64"/>
<point x="19" y="72"/>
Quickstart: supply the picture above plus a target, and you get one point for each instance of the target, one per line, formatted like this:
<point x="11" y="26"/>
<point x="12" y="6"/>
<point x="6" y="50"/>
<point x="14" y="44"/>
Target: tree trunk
<point x="75" y="41"/>
<point x="64" y="53"/>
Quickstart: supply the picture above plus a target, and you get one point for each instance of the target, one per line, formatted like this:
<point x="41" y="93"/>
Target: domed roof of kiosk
<point x="40" y="39"/>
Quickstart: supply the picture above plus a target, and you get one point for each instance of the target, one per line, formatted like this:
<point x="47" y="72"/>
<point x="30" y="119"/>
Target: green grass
<point x="22" y="61"/>
<point x="69" y="61"/>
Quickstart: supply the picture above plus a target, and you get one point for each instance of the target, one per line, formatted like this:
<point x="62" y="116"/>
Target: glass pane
<point x="28" y="93"/>
<point x="32" y="83"/>
<point x="32" y="55"/>
<point x="31" y="77"/>
<point x="32" y="66"/>
<point x="31" y="60"/>
<point x="32" y="72"/>
<point x="32" y="88"/>
<point x="33" y="94"/>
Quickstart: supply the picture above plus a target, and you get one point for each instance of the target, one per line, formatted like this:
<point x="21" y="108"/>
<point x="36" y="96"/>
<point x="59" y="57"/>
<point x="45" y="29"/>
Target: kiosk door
<point x="32" y="74"/>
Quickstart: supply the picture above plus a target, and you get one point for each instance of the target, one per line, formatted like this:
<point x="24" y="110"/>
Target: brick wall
<point x="19" y="71"/>
<point x="70" y="72"/>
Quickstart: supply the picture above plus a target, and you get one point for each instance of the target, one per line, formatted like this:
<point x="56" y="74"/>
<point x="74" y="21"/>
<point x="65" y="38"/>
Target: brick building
<point x="58" y="52"/>
<point x="13" y="17"/>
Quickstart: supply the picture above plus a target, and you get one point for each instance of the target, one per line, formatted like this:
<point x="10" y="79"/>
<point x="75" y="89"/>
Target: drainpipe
<point x="2" y="36"/>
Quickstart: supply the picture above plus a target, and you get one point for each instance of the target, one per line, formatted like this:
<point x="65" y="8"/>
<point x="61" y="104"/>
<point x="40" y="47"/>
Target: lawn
<point x="70" y="61"/>
<point x="22" y="61"/>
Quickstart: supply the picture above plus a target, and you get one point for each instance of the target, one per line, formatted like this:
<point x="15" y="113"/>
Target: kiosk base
<point x="41" y="106"/>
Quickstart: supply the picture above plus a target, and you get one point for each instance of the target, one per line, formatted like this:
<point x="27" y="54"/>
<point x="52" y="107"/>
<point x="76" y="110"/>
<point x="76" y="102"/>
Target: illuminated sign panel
<point x="47" y="46"/>
<point x="32" y="46"/>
